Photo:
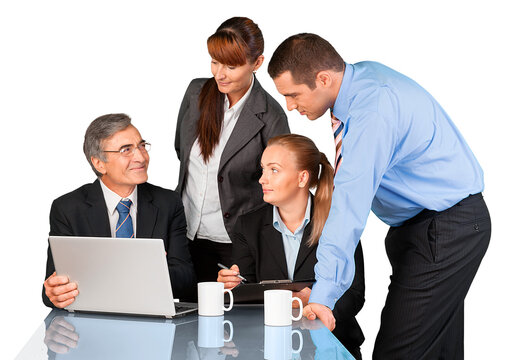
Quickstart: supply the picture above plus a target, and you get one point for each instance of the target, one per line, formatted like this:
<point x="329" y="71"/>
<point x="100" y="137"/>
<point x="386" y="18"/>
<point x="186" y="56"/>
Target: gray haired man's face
<point x="121" y="172"/>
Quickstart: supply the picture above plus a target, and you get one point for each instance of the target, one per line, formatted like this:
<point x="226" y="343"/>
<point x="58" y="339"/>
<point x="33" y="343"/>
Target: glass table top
<point x="240" y="334"/>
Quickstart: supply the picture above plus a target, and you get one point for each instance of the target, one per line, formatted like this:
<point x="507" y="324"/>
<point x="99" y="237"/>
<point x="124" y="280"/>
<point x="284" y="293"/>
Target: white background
<point x="63" y="63"/>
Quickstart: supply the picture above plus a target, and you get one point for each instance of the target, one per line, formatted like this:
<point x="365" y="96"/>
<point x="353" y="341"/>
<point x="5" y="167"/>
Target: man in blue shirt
<point x="401" y="156"/>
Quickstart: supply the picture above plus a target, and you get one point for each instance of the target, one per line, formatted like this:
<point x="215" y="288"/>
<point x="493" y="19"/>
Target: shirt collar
<point x="112" y="199"/>
<point x="341" y="107"/>
<point x="279" y="225"/>
<point x="236" y="109"/>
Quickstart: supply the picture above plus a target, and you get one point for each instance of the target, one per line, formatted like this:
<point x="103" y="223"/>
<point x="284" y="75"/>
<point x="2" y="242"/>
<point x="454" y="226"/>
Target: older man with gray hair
<point x="120" y="203"/>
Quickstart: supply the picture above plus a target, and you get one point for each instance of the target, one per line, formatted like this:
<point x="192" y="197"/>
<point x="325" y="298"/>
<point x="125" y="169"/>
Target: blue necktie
<point x="124" y="227"/>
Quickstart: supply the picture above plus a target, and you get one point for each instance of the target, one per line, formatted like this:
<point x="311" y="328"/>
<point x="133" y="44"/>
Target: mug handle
<point x="300" y="341"/>
<point x="300" y="308"/>
<point x="232" y="300"/>
<point x="231" y="330"/>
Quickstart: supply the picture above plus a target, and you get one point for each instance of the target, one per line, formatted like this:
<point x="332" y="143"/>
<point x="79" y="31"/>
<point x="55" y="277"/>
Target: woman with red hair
<point x="223" y="126"/>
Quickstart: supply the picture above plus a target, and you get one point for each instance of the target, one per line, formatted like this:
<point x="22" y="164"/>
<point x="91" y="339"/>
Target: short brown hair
<point x="304" y="55"/>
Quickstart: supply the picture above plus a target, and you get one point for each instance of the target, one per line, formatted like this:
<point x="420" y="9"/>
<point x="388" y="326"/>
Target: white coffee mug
<point x="278" y="307"/>
<point x="210" y="331"/>
<point x="210" y="299"/>
<point x="278" y="342"/>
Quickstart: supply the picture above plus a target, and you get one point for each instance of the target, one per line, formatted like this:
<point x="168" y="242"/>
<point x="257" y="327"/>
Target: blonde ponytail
<point x="322" y="203"/>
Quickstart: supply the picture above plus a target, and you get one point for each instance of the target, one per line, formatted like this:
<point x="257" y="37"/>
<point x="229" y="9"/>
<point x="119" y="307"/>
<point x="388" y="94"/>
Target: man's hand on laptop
<point x="60" y="291"/>
<point x="229" y="277"/>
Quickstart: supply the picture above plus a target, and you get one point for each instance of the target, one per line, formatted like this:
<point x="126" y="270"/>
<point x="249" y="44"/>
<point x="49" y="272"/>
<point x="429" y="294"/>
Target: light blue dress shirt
<point x="291" y="240"/>
<point x="401" y="153"/>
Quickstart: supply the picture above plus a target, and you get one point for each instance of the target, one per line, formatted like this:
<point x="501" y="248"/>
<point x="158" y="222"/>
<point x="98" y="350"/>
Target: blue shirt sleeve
<point x="368" y="147"/>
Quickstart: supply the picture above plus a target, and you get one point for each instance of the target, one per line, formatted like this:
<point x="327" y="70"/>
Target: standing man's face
<point x="312" y="103"/>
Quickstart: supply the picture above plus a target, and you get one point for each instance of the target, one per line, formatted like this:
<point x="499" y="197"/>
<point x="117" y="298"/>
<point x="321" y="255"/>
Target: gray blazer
<point x="239" y="170"/>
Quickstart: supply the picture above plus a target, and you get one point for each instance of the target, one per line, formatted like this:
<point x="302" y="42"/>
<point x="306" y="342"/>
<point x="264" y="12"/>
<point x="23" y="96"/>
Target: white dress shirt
<point x="201" y="197"/>
<point x="112" y="200"/>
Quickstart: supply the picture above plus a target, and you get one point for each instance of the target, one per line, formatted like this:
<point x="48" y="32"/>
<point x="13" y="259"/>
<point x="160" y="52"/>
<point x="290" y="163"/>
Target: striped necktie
<point x="338" y="126"/>
<point x="124" y="227"/>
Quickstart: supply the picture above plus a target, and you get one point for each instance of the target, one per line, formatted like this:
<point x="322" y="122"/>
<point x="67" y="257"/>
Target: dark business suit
<point x="259" y="253"/>
<point x="160" y="215"/>
<point x="239" y="169"/>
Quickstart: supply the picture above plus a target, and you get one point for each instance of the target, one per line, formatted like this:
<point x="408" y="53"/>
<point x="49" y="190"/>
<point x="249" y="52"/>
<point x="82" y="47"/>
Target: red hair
<point x="236" y="42"/>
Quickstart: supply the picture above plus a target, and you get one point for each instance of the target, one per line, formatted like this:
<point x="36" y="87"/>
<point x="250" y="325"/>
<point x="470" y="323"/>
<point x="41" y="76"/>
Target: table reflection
<point x="87" y="336"/>
<point x="239" y="334"/>
<point x="278" y="343"/>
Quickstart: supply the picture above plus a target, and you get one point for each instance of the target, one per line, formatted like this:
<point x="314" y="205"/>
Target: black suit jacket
<point x="259" y="253"/>
<point x="239" y="169"/>
<point x="160" y="215"/>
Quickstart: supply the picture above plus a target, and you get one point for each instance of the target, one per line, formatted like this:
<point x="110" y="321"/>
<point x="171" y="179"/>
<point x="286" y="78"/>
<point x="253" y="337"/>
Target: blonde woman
<point x="278" y="240"/>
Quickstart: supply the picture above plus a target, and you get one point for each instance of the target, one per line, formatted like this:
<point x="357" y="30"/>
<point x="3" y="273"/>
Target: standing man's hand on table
<point x="229" y="277"/>
<point x="304" y="295"/>
<point x="314" y="310"/>
<point x="60" y="291"/>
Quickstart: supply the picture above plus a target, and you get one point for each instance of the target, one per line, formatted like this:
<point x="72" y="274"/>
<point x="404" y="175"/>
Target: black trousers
<point x="434" y="258"/>
<point x="205" y="255"/>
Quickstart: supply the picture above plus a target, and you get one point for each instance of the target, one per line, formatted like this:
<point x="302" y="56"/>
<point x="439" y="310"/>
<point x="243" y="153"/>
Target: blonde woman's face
<point x="280" y="180"/>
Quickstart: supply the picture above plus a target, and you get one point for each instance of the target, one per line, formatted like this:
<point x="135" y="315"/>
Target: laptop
<point x="118" y="275"/>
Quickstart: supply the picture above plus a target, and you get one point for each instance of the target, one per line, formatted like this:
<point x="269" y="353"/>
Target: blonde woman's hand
<point x="229" y="277"/>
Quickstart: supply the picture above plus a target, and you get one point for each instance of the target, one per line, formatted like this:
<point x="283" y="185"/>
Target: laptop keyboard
<point x="184" y="307"/>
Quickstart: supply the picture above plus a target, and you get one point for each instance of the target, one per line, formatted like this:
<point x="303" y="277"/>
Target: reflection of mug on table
<point x="278" y="307"/>
<point x="278" y="342"/>
<point x="210" y="331"/>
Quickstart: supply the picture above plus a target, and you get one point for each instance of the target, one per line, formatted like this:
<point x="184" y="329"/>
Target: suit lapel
<point x="272" y="240"/>
<point x="248" y="124"/>
<point x="97" y="213"/>
<point x="304" y="250"/>
<point x="146" y="213"/>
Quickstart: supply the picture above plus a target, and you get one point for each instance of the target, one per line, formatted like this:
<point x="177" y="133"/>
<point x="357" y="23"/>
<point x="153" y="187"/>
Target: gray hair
<point x="99" y="130"/>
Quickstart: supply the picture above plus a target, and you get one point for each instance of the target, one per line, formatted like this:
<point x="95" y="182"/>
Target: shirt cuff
<point x="325" y="293"/>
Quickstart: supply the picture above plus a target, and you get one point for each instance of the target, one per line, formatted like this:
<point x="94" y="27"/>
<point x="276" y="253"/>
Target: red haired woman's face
<point x="234" y="81"/>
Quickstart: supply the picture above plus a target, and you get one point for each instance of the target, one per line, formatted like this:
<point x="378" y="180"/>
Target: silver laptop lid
<point x="116" y="275"/>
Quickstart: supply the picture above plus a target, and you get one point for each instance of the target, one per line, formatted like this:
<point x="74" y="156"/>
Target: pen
<point x="224" y="267"/>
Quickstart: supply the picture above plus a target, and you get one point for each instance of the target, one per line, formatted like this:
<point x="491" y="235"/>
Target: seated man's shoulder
<point x="78" y="195"/>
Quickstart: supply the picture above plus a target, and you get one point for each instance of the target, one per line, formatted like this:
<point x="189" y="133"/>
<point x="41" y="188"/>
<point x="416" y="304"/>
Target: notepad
<point x="254" y="293"/>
